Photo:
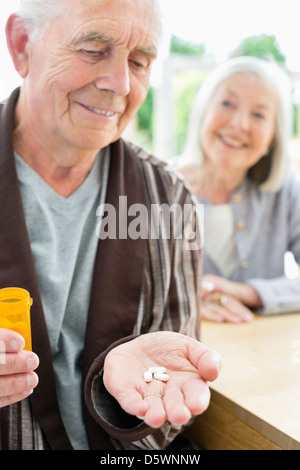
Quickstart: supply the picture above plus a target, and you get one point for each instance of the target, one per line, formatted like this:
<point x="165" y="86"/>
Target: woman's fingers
<point x="229" y="310"/>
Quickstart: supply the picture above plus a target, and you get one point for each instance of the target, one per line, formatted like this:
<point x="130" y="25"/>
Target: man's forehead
<point x="107" y="21"/>
<point x="114" y="7"/>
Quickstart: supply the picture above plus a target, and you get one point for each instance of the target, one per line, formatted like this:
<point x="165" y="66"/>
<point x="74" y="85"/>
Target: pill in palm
<point x="161" y="376"/>
<point x="154" y="370"/>
<point x="147" y="376"/>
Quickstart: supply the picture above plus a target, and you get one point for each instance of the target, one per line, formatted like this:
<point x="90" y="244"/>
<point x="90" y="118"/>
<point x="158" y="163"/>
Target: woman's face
<point x="239" y="126"/>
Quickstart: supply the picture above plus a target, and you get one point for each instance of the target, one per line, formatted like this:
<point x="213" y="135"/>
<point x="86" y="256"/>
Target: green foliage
<point x="262" y="46"/>
<point x="180" y="46"/>
<point x="185" y="86"/>
<point x="145" y="114"/>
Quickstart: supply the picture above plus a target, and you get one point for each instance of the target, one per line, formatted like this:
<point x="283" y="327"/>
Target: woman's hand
<point x="224" y="308"/>
<point x="223" y="300"/>
<point x="189" y="365"/>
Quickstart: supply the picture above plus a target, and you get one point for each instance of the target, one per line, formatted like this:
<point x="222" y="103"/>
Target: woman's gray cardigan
<point x="267" y="225"/>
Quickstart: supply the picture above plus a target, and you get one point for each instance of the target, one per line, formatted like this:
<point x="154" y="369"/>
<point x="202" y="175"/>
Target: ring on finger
<point x="208" y="285"/>
<point x="220" y="299"/>
<point x="153" y="394"/>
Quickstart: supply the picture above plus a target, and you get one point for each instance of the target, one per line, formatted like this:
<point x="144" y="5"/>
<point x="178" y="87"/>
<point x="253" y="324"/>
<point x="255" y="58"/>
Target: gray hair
<point x="269" y="172"/>
<point x="36" y="14"/>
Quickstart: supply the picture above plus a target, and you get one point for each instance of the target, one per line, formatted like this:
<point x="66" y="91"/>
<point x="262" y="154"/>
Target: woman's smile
<point x="232" y="142"/>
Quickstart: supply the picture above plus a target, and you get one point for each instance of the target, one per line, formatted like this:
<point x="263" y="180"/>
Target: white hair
<point x="274" y="165"/>
<point x="36" y="14"/>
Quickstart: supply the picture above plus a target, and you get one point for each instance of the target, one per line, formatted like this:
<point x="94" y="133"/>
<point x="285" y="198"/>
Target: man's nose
<point x="115" y="77"/>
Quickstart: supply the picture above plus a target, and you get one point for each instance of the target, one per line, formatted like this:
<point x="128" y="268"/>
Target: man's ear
<point x="17" y="41"/>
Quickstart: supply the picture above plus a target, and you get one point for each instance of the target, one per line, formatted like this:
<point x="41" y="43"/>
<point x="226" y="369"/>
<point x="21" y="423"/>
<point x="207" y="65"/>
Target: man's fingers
<point x="207" y="361"/>
<point x="178" y="413"/>
<point x="10" y="341"/>
<point x="17" y="379"/>
<point x="148" y="406"/>
<point x="16" y="385"/>
<point x="9" y="400"/>
<point x="132" y="402"/>
<point x="15" y="363"/>
<point x="155" y="415"/>
<point x="197" y="396"/>
<point x="209" y="365"/>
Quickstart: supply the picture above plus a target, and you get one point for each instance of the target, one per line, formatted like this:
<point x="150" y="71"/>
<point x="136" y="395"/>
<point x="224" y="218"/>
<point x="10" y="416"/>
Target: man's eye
<point x="140" y="65"/>
<point x="94" y="54"/>
<point x="137" y="64"/>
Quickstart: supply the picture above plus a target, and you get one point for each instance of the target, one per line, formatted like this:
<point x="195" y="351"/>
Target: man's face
<point x="89" y="74"/>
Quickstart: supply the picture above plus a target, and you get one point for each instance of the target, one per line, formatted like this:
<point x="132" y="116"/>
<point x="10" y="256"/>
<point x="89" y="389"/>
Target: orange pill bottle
<point x="15" y="306"/>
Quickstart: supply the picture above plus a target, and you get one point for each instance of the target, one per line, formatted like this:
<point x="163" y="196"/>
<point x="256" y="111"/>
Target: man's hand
<point x="17" y="379"/>
<point x="189" y="365"/>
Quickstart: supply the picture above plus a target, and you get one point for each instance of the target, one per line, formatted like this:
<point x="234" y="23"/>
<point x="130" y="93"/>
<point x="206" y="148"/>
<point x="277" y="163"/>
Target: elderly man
<point x="105" y="308"/>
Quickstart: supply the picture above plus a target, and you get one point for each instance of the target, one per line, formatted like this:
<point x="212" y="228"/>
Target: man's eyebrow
<point x="91" y="36"/>
<point x="94" y="36"/>
<point x="150" y="52"/>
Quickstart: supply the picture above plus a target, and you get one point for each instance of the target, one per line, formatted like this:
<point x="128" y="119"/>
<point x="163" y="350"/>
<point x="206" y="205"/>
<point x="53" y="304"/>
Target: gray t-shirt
<point x="63" y="239"/>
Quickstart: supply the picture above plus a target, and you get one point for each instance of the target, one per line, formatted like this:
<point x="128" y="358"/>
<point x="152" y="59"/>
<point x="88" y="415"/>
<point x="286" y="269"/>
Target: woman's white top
<point x="219" y="239"/>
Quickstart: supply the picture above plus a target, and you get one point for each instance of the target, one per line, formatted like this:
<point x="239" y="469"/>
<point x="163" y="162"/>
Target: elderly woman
<point x="236" y="163"/>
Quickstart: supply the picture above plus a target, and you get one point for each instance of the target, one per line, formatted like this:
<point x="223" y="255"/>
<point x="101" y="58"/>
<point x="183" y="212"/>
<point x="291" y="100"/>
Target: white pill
<point x="153" y="370"/>
<point x="147" y="376"/>
<point x="160" y="376"/>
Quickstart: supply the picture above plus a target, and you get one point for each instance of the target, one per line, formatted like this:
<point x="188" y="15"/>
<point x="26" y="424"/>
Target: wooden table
<point x="255" y="403"/>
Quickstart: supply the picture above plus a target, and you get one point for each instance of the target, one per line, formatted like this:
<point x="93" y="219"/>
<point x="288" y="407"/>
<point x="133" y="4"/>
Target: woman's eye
<point x="258" y="115"/>
<point x="226" y="103"/>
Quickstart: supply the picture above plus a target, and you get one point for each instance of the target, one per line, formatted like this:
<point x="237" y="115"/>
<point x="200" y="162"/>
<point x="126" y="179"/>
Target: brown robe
<point x="113" y="287"/>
